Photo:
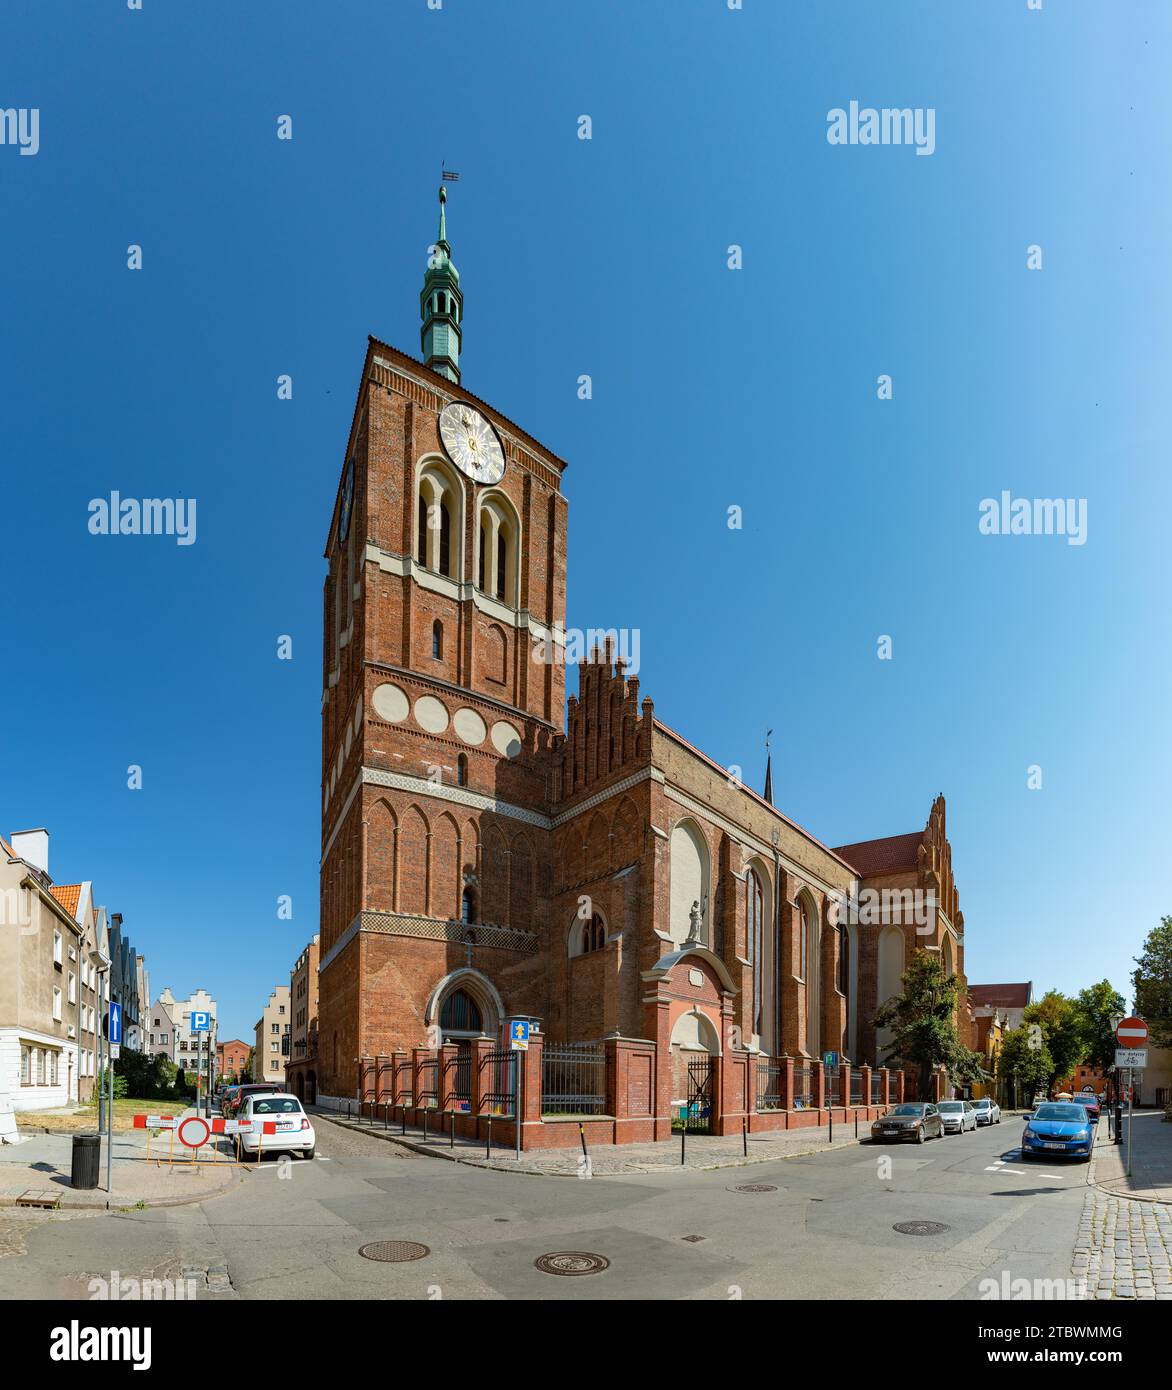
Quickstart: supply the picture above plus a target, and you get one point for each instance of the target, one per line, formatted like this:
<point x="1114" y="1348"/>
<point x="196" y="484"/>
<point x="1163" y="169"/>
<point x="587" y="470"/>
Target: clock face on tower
<point x="471" y="443"/>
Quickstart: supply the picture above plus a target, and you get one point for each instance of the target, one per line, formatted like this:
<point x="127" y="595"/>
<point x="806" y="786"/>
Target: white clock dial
<point x="471" y="443"/>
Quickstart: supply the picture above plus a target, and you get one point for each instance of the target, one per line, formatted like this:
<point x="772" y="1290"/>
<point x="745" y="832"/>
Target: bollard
<point x="452" y="1145"/>
<point x="745" y="1135"/>
<point x="683" y="1139"/>
<point x="386" y="1114"/>
<point x="488" y="1138"/>
<point x="831" y="1112"/>
<point x="856" y="1124"/>
<point x="582" y="1136"/>
<point x="404" y="1119"/>
<point x="425" y="1124"/>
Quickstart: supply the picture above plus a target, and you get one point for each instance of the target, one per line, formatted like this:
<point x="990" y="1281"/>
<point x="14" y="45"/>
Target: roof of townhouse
<point x="1002" y="996"/>
<point x="68" y="895"/>
<point x="889" y="855"/>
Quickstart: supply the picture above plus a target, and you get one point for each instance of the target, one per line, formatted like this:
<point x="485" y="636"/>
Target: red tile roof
<point x="1001" y="996"/>
<point x="887" y="856"/>
<point x="68" y="895"/>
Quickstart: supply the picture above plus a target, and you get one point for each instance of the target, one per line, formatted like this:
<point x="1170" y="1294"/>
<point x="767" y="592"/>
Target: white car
<point x="988" y="1111"/>
<point x="958" y="1115"/>
<point x="275" y="1123"/>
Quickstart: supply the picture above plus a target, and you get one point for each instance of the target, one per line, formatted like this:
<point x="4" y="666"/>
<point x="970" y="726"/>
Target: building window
<point x="844" y="958"/>
<point x="55" y="1060"/>
<point x="56" y="947"/>
<point x="439" y="502"/>
<point x="499" y="533"/>
<point x="57" y="1003"/>
<point x="280" y="1008"/>
<point x="462" y="770"/>
<point x="72" y="988"/>
<point x="587" y="936"/>
<point x="276" y="1027"/>
<point x="437" y="640"/>
<point x="26" y="1066"/>
<point x="468" y="906"/>
<point x="460" y="1013"/>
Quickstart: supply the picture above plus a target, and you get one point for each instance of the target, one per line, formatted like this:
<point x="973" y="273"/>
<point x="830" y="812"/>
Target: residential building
<point x="232" y="1058"/>
<point x="301" y="1073"/>
<point x="43" y="1046"/>
<point x="1008" y="1002"/>
<point x="273" y="1036"/>
<point x="170" y="1033"/>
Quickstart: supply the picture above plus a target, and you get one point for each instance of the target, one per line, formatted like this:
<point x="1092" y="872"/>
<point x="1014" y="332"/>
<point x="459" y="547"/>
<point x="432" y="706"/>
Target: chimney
<point x="33" y="847"/>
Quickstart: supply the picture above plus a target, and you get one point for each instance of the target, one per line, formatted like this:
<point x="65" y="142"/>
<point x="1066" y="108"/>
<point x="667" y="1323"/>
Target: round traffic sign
<point x="1132" y="1032"/>
<point x="194" y="1131"/>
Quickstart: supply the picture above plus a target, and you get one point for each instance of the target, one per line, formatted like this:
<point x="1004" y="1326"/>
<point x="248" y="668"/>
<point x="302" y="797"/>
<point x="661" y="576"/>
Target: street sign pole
<point x="1130" y="1101"/>
<point x="109" y="1118"/>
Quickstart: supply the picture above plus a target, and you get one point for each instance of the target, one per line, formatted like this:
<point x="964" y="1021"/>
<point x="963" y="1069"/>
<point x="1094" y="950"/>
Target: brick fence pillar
<point x="481" y="1078"/>
<point x="897" y="1099"/>
<point x="786" y="1081"/>
<point x="447" y="1076"/>
<point x="818" y="1084"/>
<point x="529" y="1065"/>
<point x="865" y="1085"/>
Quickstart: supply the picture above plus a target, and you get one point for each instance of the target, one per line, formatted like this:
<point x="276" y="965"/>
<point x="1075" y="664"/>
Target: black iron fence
<point x="428" y="1097"/>
<point x="803" y="1086"/>
<point x="856" y="1086"/>
<point x="458" y="1078"/>
<point x="498" y="1083"/>
<point x="876" y="1088"/>
<point x="770" y="1085"/>
<point x="573" y="1079"/>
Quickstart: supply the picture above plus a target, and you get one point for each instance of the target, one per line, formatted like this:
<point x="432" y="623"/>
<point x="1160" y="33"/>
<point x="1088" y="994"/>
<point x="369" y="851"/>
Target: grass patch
<point x="85" y="1116"/>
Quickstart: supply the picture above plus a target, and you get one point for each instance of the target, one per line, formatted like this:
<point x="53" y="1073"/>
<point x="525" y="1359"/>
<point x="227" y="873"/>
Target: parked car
<point x="1090" y="1103"/>
<point x="988" y="1111"/>
<point x="916" y="1120"/>
<point x="958" y="1115"/>
<point x="293" y="1133"/>
<point x="1058" y="1127"/>
<point x="254" y="1088"/>
<point x="227" y="1101"/>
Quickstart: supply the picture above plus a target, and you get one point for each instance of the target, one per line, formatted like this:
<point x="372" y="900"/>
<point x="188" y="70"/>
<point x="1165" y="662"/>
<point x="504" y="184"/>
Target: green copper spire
<point x="441" y="305"/>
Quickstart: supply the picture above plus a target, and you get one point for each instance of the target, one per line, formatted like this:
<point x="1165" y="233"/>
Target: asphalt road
<point x="293" y="1229"/>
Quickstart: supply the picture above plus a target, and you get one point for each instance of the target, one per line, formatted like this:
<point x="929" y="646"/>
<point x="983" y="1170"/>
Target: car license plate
<point x="285" y="1124"/>
<point x="1053" y="1146"/>
<point x="890" y="1133"/>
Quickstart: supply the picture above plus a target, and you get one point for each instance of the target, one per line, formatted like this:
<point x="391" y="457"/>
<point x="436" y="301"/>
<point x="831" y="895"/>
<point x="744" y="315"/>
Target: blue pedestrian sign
<point x="201" y="1021"/>
<point x="115" y="1022"/>
<point x="830" y="1059"/>
<point x="519" y="1035"/>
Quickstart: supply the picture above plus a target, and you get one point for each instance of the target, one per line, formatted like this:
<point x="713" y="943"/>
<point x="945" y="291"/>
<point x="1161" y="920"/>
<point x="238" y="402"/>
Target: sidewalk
<point x="1151" y="1160"/>
<point x="40" y="1166"/>
<point x="701" y="1151"/>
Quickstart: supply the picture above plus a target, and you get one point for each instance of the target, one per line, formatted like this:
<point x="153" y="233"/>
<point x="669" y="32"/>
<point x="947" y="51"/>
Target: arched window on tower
<point x="462" y="772"/>
<point x="468" y="900"/>
<point x="437" y="640"/>
<point x="440" y="506"/>
<point x="499" y="537"/>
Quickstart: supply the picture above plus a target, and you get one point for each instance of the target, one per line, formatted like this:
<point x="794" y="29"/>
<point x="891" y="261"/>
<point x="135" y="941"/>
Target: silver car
<point x="988" y="1111"/>
<point x="958" y="1115"/>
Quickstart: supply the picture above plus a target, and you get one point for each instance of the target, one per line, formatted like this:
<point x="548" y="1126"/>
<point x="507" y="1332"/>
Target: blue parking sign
<point x="115" y="1022"/>
<point x="200" y="1020"/>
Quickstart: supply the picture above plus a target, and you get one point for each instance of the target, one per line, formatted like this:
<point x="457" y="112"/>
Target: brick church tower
<point x="447" y="564"/>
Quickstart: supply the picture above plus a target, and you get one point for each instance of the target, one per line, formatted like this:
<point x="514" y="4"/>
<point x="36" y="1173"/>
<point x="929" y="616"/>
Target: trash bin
<point x="87" y="1155"/>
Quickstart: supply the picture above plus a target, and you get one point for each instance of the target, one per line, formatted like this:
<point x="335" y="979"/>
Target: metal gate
<point x="696" y="1116"/>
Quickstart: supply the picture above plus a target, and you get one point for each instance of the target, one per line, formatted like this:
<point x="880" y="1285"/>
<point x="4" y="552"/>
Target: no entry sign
<point x="194" y="1131"/>
<point x="1132" y="1032"/>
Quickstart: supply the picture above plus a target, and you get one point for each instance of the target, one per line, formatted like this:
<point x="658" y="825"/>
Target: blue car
<point x="1058" y="1128"/>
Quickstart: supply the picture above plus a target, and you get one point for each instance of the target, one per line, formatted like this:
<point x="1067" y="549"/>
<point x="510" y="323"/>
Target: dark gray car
<point x="915" y="1120"/>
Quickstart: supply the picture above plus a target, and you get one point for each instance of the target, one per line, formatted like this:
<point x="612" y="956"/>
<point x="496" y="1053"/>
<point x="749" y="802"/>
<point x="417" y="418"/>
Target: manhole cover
<point x="753" y="1187"/>
<point x="920" y="1228"/>
<point x="692" y="1239"/>
<point x="571" y="1262"/>
<point x="393" y="1251"/>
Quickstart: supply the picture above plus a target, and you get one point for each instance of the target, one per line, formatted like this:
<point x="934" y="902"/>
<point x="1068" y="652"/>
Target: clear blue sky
<point x="711" y="388"/>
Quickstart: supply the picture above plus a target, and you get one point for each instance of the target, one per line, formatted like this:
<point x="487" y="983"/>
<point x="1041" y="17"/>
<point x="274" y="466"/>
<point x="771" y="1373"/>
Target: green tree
<point x="1153" y="983"/>
<point x="1096" y="1006"/>
<point x="923" y="1022"/>
<point x="1025" y="1061"/>
<point x="1061" y="1023"/>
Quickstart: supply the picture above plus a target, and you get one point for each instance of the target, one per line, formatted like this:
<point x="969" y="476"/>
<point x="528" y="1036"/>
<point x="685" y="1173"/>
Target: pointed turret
<point x="441" y="305"/>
